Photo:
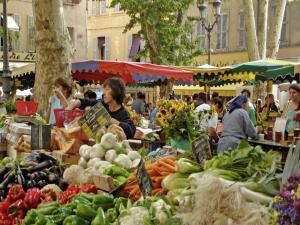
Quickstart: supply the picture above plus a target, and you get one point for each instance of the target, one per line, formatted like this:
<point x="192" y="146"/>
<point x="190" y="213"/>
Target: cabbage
<point x="133" y="155"/>
<point x="92" y="162"/>
<point x="124" y="161"/>
<point x="84" y="151"/>
<point x="187" y="166"/>
<point x="175" y="181"/>
<point x="108" y="141"/>
<point x="97" y="152"/>
<point x="82" y="162"/>
<point x="110" y="155"/>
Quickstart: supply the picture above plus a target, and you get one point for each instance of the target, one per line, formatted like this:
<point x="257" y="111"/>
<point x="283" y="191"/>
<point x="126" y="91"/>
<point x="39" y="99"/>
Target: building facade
<point x="228" y="37"/>
<point x="76" y="20"/>
<point x="106" y="39"/>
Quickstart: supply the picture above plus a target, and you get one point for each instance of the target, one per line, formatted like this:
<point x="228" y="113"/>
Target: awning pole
<point x="269" y="86"/>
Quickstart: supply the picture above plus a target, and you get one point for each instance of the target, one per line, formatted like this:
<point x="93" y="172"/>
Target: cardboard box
<point x="104" y="183"/>
<point x="66" y="159"/>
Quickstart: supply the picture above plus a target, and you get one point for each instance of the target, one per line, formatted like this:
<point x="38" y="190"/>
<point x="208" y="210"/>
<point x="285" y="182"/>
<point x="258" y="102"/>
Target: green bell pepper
<point x="85" y="211"/>
<point x="111" y="215"/>
<point x="48" y="208"/>
<point x="40" y="220"/>
<point x="75" y="220"/>
<point x="81" y="199"/>
<point x="30" y="217"/>
<point x="59" y="215"/>
<point x="104" y="200"/>
<point x="100" y="219"/>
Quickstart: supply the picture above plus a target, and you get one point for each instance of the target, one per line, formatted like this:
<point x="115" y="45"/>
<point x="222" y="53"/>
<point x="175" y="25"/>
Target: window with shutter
<point x="30" y="34"/>
<point x="242" y="40"/>
<point x="16" y="41"/>
<point x="118" y="8"/>
<point x="222" y="32"/>
<point x="102" y="7"/>
<point x="107" y="48"/>
<point x="94" y="7"/>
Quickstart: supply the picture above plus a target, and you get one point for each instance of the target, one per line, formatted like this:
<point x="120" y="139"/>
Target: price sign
<point x="144" y="180"/>
<point x="94" y="119"/>
<point x="201" y="148"/>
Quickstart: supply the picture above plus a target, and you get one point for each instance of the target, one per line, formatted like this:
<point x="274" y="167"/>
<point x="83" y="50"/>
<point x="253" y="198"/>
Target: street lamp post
<point x="6" y="71"/>
<point x="209" y="26"/>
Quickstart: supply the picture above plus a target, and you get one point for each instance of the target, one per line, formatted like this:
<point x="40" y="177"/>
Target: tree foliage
<point x="163" y="28"/>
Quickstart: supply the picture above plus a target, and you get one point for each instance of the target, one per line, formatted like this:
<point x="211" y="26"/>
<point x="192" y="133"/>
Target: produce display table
<point x="272" y="145"/>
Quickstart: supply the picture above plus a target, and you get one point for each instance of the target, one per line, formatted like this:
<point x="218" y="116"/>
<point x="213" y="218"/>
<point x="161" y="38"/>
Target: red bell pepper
<point x="32" y="198"/>
<point x="15" y="207"/>
<point x="5" y="204"/>
<point x="88" y="188"/>
<point x="63" y="199"/>
<point x="16" y="192"/>
<point x="72" y="190"/>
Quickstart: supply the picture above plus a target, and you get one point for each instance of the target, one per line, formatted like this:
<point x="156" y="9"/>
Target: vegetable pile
<point x="108" y="158"/>
<point x="260" y="171"/>
<point x="18" y="202"/>
<point x="157" y="172"/>
<point x="37" y="170"/>
<point x="216" y="202"/>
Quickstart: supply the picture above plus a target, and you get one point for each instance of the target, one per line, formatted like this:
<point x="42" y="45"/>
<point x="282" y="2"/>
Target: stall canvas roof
<point x="268" y="69"/>
<point x="130" y="72"/>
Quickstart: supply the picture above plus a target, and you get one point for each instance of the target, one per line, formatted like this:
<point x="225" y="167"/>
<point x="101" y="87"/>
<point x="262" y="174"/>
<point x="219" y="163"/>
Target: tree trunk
<point x="275" y="28"/>
<point x="250" y="28"/>
<point x="153" y="43"/>
<point x="262" y="27"/>
<point x="53" y="48"/>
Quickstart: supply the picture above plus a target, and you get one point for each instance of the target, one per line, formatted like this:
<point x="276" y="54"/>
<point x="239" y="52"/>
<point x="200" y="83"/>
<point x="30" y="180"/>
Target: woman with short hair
<point x="114" y="94"/>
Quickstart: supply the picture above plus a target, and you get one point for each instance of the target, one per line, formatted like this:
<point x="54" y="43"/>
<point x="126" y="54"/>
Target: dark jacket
<point x="121" y="115"/>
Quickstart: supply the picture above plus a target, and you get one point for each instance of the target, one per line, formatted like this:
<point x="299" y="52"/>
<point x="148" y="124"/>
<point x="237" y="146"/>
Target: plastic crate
<point x="26" y="108"/>
<point x="62" y="116"/>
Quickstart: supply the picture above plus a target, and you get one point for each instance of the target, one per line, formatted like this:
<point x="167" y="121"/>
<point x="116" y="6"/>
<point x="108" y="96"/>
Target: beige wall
<point x="234" y="53"/>
<point x="111" y="25"/>
<point x="75" y="16"/>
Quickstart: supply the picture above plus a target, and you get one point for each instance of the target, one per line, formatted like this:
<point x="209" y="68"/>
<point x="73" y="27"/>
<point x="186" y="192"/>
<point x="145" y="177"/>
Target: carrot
<point x="170" y="162"/>
<point x="156" y="185"/>
<point x="165" y="173"/>
<point x="158" y="179"/>
<point x="132" y="178"/>
<point x="153" y="173"/>
<point x="156" y="191"/>
<point x="134" y="191"/>
<point x="170" y="157"/>
<point x="150" y="166"/>
<point x="166" y="166"/>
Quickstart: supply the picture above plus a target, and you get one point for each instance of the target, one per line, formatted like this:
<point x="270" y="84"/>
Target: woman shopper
<point x="291" y="107"/>
<point x="60" y="99"/>
<point x="114" y="94"/>
<point x="236" y="125"/>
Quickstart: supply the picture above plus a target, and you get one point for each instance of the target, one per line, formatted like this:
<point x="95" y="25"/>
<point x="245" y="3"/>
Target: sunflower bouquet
<point x="136" y="118"/>
<point x="177" y="120"/>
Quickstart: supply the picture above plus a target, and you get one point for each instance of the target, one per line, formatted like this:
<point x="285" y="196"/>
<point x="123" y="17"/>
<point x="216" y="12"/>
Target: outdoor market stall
<point x="129" y="72"/>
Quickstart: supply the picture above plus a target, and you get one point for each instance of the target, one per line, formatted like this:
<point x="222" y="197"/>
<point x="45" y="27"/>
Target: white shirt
<point x="206" y="119"/>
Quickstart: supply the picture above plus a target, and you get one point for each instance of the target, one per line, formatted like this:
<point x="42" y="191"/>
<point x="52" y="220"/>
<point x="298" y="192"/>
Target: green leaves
<point x="166" y="35"/>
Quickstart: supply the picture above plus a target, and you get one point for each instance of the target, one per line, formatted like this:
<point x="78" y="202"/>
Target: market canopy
<point x="218" y="76"/>
<point x="130" y="72"/>
<point x="269" y="69"/>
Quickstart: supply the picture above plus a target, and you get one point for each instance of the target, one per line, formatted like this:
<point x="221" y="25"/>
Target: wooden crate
<point x="13" y="153"/>
<point x="66" y="159"/>
<point x="104" y="183"/>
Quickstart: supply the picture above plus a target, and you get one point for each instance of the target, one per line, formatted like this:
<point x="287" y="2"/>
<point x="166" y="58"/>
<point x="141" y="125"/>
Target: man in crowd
<point x="138" y="105"/>
<point x="251" y="109"/>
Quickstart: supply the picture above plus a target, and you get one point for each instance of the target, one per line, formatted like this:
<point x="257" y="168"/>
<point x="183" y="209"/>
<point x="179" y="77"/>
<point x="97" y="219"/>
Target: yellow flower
<point x="173" y="110"/>
<point x="278" y="198"/>
<point x="297" y="194"/>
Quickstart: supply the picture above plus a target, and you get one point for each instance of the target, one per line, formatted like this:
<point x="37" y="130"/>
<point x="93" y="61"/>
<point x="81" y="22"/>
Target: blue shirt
<point x="236" y="126"/>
